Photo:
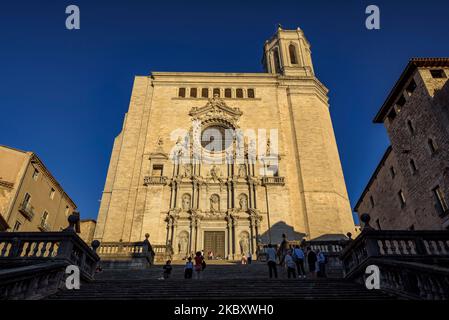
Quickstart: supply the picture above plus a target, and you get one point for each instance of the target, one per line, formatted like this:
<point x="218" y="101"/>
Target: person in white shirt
<point x="290" y="265"/>
<point x="271" y="260"/>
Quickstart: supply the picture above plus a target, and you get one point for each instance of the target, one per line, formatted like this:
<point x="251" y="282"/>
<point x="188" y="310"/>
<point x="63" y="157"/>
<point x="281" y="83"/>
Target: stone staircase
<point x="220" y="280"/>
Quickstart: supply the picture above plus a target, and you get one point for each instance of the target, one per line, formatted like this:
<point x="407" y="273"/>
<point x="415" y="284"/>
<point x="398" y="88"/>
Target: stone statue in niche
<point x="186" y="202"/>
<point x="268" y="150"/>
<point x="187" y="170"/>
<point x="244" y="243"/>
<point x="242" y="171"/>
<point x="214" y="203"/>
<point x="243" y="202"/>
<point x="215" y="172"/>
<point x="183" y="243"/>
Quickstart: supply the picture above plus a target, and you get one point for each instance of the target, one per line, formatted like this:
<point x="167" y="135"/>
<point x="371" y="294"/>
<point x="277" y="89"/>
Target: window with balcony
<point x="193" y="92"/>
<point x="25" y="207"/>
<point x="43" y="225"/>
<point x="251" y="94"/>
<point x="158" y="170"/>
<point x="228" y="93"/>
<point x="26" y="199"/>
<point x="205" y="93"/>
<point x="35" y="174"/>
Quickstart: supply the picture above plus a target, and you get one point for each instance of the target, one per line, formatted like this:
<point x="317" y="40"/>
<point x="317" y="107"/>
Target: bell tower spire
<point x="288" y="53"/>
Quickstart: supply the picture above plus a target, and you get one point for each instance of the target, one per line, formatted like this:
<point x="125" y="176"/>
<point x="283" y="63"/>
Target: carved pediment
<point x="158" y="155"/>
<point x="216" y="108"/>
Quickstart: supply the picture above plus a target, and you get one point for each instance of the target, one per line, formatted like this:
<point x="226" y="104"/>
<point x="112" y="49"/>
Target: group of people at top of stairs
<point x="196" y="266"/>
<point x="293" y="258"/>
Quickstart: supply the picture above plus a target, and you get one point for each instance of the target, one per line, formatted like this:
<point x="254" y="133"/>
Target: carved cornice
<point x="216" y="111"/>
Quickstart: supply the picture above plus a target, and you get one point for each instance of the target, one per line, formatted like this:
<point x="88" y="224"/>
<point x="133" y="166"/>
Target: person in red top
<point x="199" y="262"/>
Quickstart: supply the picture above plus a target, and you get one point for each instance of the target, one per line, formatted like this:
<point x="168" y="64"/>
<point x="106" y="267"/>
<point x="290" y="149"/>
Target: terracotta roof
<point x="412" y="65"/>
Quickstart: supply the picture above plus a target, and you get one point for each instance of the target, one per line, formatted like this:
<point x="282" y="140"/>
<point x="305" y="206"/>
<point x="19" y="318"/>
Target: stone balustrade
<point x="163" y="252"/>
<point x="273" y="181"/>
<point x="413" y="280"/>
<point x="33" y="262"/>
<point x="126" y="254"/>
<point x="155" y="180"/>
<point x="425" y="246"/>
<point x="412" y="263"/>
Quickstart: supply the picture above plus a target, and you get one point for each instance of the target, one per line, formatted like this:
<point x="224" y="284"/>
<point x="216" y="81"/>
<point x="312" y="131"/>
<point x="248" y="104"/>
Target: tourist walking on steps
<point x="271" y="261"/>
<point x="167" y="269"/>
<point x="290" y="265"/>
<point x="199" y="260"/>
<point x="298" y="258"/>
<point x="321" y="262"/>
<point x="311" y="261"/>
<point x="188" y="269"/>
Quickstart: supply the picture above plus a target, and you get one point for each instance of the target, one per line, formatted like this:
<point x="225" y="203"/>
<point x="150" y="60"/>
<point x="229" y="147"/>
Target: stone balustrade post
<point x="15" y="247"/>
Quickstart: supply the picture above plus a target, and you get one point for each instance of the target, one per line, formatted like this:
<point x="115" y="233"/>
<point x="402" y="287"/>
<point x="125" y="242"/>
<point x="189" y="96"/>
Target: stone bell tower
<point x="288" y="53"/>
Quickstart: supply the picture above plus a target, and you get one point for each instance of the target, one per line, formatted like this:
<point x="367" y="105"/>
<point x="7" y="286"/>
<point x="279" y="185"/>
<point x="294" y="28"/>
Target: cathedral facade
<point x="222" y="162"/>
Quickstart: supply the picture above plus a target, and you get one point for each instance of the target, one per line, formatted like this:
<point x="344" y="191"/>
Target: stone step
<point x="201" y="289"/>
<point x="212" y="271"/>
<point x="220" y="281"/>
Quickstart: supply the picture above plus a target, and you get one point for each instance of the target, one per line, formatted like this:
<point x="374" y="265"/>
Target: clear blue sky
<point x="63" y="94"/>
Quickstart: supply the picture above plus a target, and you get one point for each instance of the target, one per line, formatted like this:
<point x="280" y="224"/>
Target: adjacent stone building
<point x="410" y="187"/>
<point x="181" y="172"/>
<point x="30" y="197"/>
<point x="87" y="230"/>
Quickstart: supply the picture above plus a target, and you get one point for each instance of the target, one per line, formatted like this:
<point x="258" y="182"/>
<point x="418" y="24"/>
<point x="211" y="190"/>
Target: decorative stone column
<point x="230" y="236"/>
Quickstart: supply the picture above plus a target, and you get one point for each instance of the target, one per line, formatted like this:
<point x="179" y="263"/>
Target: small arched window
<point x="292" y="51"/>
